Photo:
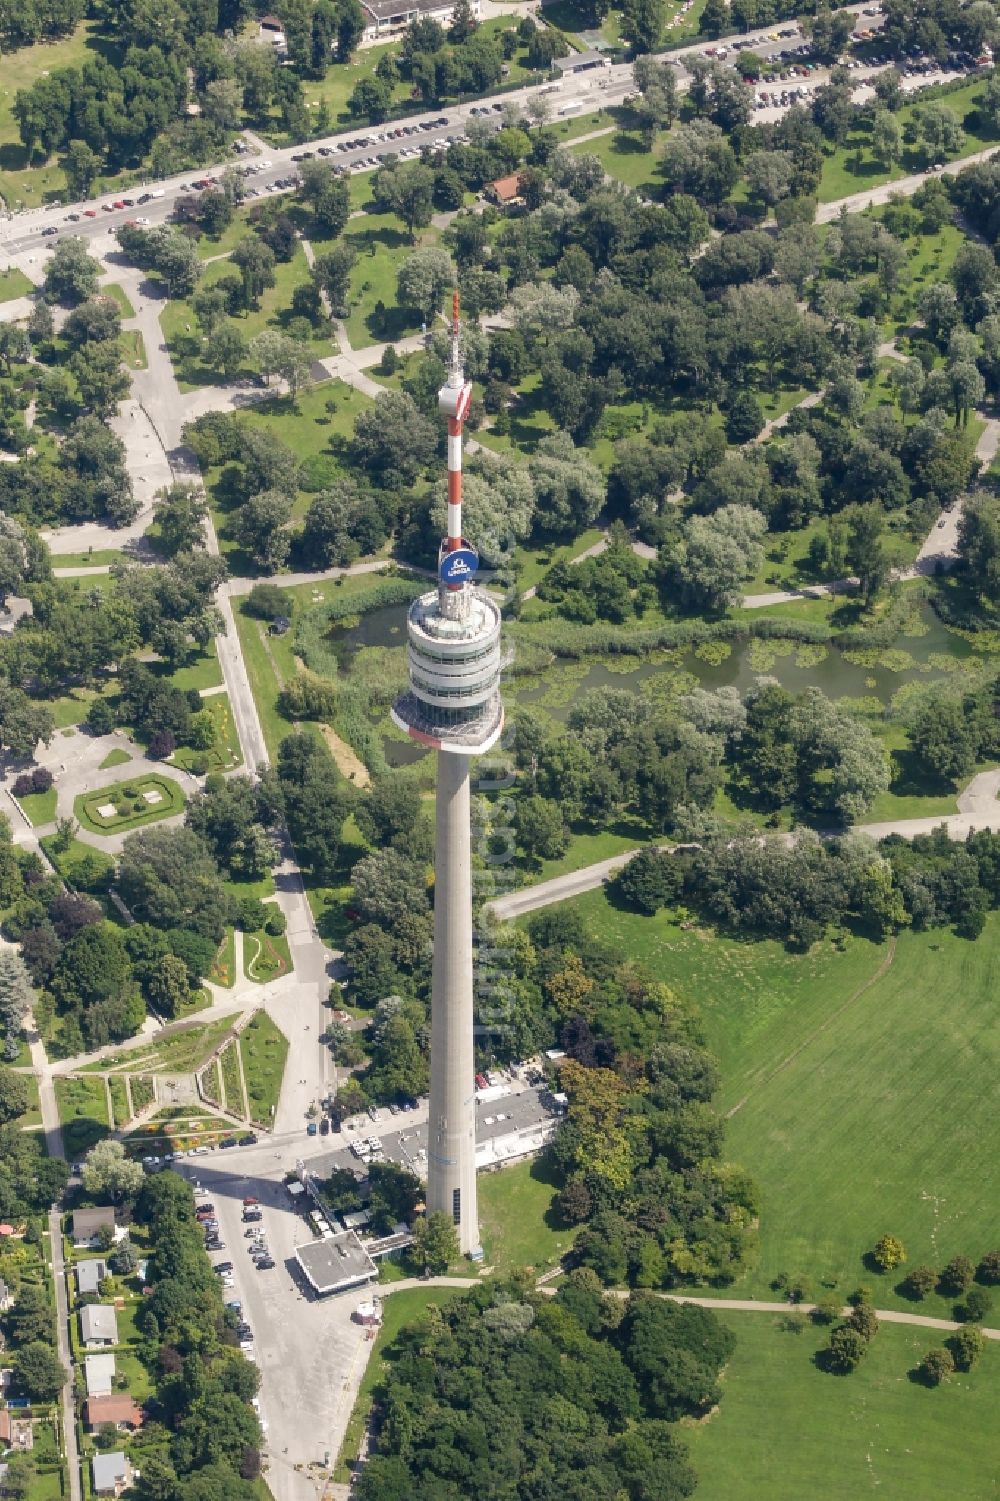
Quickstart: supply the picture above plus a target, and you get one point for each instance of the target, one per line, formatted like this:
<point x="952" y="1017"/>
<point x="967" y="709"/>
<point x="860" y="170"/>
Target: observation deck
<point x="455" y="659"/>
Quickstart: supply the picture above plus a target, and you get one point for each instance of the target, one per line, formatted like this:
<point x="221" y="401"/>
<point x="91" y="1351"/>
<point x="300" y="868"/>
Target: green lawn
<point x="398" y="1310"/>
<point x="115" y="757"/>
<point x="265" y="957"/>
<point x="202" y="672"/>
<point x="83" y="1112"/>
<point x="132" y="808"/>
<point x="32" y="1116"/>
<point x="175" y="1052"/>
<point x="186" y="344"/>
<point x="786" y="1430"/>
<point x="13" y="282"/>
<point x="92" y="558"/>
<point x="118" y="294"/>
<point x="382" y="244"/>
<point x="516" y="1221"/>
<point x="853" y="169"/>
<point x="533" y="562"/>
<point x="863" y="1101"/>
<point x="225" y="751"/>
<point x="22" y="185"/>
<point x="68" y="862"/>
<point x="235" y="1100"/>
<point x="40" y="807"/>
<point x="625" y="156"/>
<point x="119" y="1102"/>
<point x="264" y="1048"/>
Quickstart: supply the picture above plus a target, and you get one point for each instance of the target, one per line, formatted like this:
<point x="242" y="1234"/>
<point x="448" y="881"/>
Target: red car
<point x="90" y="213"/>
<point x="118" y="203"/>
<point x="250" y="1202"/>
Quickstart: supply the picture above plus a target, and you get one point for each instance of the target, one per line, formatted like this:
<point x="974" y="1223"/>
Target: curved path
<point x="728" y="1305"/>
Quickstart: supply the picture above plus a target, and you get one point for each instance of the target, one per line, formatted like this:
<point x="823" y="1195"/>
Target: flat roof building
<point x="581" y="62"/>
<point x="385" y="16"/>
<point x="336" y="1263"/>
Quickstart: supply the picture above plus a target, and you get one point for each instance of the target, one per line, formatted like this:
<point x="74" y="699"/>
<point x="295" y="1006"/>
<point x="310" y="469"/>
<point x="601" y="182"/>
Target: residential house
<point x="505" y="192"/>
<point x="98" y="1325"/>
<point x="5" y="1429"/>
<point x="114" y="1407"/>
<point x="87" y="1224"/>
<point x="90" y="1274"/>
<point x="99" y="1372"/>
<point x="6" y="1300"/>
<point x="110" y="1474"/>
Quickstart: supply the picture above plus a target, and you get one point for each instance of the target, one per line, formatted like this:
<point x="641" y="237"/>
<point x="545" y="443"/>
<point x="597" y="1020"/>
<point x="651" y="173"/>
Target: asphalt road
<point x="23" y="233"/>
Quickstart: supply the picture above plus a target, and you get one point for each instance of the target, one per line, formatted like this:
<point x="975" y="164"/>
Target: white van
<point x="572" y="108"/>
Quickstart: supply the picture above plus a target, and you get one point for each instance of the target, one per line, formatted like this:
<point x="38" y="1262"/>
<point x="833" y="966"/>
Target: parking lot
<point x="309" y="1352"/>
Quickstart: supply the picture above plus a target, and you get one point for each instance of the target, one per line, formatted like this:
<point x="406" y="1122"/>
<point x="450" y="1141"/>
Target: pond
<point x="924" y="651"/>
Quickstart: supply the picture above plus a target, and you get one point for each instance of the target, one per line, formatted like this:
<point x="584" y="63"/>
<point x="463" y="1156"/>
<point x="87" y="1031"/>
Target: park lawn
<point x="911" y="793"/>
<point x="585" y="849"/>
<point x="187" y="346"/>
<point x="626" y="157"/>
<point x="382" y="244"/>
<point x="851" y="168"/>
<point x="13" y="282"/>
<point x="211" y="246"/>
<point x="264" y="1049"/>
<point x="40" y="807"/>
<point x="203" y="672"/>
<point x="516" y="1220"/>
<point x="342" y="79"/>
<point x="532" y="562"/>
<point x="787" y="1430"/>
<point x="857" y="1085"/>
<point x="264" y="683"/>
<point x="118" y="294"/>
<point x="83" y="1112"/>
<point x="224" y="753"/>
<point x="135" y="349"/>
<point x="87" y="805"/>
<point x="22" y="186"/>
<point x="398" y="1310"/>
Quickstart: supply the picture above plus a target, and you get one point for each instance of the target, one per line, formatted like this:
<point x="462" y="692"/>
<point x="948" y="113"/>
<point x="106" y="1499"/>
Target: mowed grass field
<point x="862" y="1085"/>
<point x="786" y="1431"/>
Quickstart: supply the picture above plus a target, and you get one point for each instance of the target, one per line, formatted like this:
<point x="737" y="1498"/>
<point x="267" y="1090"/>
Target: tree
<point x="435" y="1243"/>
<point x="39" y="1372"/>
<point x="331" y="273"/>
<point x="649" y="881"/>
<point x="370" y="100"/>
<point x="168" y="986"/>
<point x="423" y="279"/>
<point x="255" y="261"/>
<point x="887" y="138"/>
<point x="957" y="1276"/>
<point x="407" y="190"/>
<point x="110" y="1172"/>
<point x="181" y="516"/>
<point x="13" y="1095"/>
<point x="642" y="23"/>
<point x="541" y="831"/>
<point x="745" y="418"/>
<point x="81" y="166"/>
<point x="941" y="133"/>
<point x="919" y="1282"/>
<point x="70" y="273"/>
<point x="966" y="1346"/>
<point x="329" y="195"/>
<point x="976" y="1307"/>
<point x="945" y="736"/>
<point x="222" y="103"/>
<point x="16" y="998"/>
<point x="889" y="1253"/>
<point x="392" y="440"/>
<point x="260" y="528"/>
<point x="865" y="1320"/>
<point x="227" y="350"/>
<point x="935" y="1367"/>
<point x="988" y="1270"/>
<point x="715" y="555"/>
<point x="168" y="878"/>
<point x="865" y="547"/>
<point x="845" y="1351"/>
<point x="698" y="160"/>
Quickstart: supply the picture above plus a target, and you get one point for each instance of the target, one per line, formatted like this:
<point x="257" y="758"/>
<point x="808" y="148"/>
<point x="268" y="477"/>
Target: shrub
<point x="918" y="1283"/>
<point x="100" y="717"/>
<point x="162" y="745"/>
<point x="23" y="785"/>
<point x="889" y="1253"/>
<point x="276" y="922"/>
<point x="845" y="1350"/>
<point x="988" y="1270"/>
<point x="865" y="1320"/>
<point x="827" y="1310"/>
<point x="935" y="1366"/>
<point x="267" y="602"/>
<point x="976" y="1307"/>
<point x="956" y="1276"/>
<point x="41" y="779"/>
<point x="966" y="1347"/>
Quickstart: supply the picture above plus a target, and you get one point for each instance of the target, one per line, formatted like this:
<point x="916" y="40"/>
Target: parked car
<point x="265" y="1264"/>
<point x="312" y="1128"/>
<point x="250" y="1202"/>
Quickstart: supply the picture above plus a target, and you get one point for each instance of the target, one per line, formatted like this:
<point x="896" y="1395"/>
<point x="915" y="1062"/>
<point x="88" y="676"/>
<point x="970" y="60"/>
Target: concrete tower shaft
<point x="453" y="705"/>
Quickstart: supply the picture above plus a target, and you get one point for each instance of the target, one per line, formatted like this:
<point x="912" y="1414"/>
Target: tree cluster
<point x="505" y="1388"/>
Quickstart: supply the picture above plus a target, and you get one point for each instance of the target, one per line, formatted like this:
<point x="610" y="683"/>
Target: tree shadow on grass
<point x="912" y="779"/>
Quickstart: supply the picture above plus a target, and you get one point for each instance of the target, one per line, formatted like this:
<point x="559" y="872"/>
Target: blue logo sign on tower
<point x="459" y="566"/>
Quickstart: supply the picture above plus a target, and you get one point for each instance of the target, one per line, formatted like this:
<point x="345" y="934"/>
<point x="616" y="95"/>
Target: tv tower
<point x="453" y="705"/>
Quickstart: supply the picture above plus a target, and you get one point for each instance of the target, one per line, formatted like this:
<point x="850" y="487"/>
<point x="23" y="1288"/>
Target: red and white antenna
<point x="453" y="399"/>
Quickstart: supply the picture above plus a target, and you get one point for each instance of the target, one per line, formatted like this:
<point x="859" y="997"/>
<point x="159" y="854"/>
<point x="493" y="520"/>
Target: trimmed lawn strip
<point x="235" y="1101"/>
<point x="83" y="1112"/>
<point x="264" y="1048"/>
<point x="223" y="970"/>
